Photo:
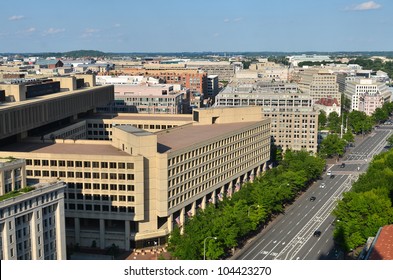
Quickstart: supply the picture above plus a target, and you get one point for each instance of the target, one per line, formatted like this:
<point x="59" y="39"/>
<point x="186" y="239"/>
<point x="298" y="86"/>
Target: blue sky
<point x="193" y="26"/>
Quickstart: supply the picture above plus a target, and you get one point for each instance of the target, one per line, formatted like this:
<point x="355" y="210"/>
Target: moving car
<point x="317" y="233"/>
<point x="342" y="165"/>
<point x="329" y="173"/>
<point x="322" y="185"/>
<point x="332" y="176"/>
<point x="312" y="198"/>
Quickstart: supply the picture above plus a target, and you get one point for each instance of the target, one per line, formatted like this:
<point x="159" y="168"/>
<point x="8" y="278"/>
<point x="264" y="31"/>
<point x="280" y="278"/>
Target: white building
<point x="356" y="89"/>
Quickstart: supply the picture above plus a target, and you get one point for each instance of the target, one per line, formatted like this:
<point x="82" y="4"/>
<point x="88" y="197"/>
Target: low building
<point x="328" y="105"/>
<point x="382" y="246"/>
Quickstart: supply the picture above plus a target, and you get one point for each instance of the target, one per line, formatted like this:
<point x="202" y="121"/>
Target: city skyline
<point x="182" y="26"/>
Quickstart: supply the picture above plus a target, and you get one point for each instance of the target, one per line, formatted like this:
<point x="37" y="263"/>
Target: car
<point x="329" y="173"/>
<point x="317" y="233"/>
<point x="332" y="176"/>
<point x="322" y="185"/>
<point x="342" y="165"/>
<point x="312" y="198"/>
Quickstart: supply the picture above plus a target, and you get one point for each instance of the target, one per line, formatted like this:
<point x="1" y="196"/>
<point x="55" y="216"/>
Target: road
<point x="291" y="235"/>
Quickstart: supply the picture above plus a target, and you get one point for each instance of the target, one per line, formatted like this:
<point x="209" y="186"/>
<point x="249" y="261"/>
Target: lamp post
<point x="204" y="245"/>
<point x="249" y="208"/>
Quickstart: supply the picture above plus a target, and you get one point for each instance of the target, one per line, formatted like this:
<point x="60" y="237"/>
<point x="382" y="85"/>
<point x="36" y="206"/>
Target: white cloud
<point x="89" y="32"/>
<point x="215" y="35"/>
<point x="238" y="19"/>
<point x="226" y="20"/>
<point x="52" y="31"/>
<point x="233" y="20"/>
<point x="30" y="30"/>
<point x="117" y="25"/>
<point x="370" y="5"/>
<point x="16" y="17"/>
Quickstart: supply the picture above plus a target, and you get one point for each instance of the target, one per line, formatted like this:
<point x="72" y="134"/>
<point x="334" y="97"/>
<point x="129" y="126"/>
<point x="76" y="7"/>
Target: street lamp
<point x="204" y="245"/>
<point x="249" y="208"/>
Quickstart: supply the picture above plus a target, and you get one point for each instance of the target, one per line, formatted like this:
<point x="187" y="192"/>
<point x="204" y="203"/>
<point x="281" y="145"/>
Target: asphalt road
<point x="291" y="235"/>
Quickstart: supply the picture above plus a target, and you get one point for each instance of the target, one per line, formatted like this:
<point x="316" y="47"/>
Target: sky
<point x="196" y="26"/>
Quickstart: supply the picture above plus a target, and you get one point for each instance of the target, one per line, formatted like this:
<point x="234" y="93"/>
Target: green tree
<point x="322" y="119"/>
<point x="332" y="145"/>
<point x="360" y="122"/>
<point x="348" y="136"/>
<point x="360" y="215"/>
<point x="334" y="122"/>
<point x="380" y="115"/>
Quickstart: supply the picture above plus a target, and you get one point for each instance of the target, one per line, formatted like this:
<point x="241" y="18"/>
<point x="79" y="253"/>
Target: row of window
<point x="85" y="175"/>
<point x="78" y="163"/>
<point x="99" y="208"/>
<point x="97" y="186"/>
<point x="98" y="197"/>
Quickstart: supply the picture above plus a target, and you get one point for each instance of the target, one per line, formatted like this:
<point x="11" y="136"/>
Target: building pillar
<point x="102" y="234"/>
<point x="214" y="197"/>
<point x="182" y="220"/>
<point x="61" y="248"/>
<point x="13" y="180"/>
<point x="193" y="208"/>
<point x="23" y="176"/>
<point x="203" y="203"/>
<point x="170" y="223"/>
<point x="77" y="226"/>
<point x="2" y="184"/>
<point x="127" y="235"/>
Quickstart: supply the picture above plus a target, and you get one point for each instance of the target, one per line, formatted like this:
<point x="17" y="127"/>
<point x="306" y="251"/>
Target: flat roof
<point x="191" y="135"/>
<point x="163" y="117"/>
<point x="65" y="148"/>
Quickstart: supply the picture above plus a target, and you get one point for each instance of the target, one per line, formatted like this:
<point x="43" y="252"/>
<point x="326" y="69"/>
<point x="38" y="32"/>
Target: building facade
<point x="32" y="224"/>
<point x="294" y="120"/>
<point x="12" y="175"/>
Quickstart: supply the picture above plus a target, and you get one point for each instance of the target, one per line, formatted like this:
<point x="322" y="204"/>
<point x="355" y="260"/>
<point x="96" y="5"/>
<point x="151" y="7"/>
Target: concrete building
<point x="223" y="69"/>
<point x="12" y="175"/>
<point x="32" y="224"/>
<point x="366" y="94"/>
<point x="212" y="86"/>
<point x="149" y="99"/>
<point x="133" y="187"/>
<point x="318" y="84"/>
<point x="294" y="121"/>
<point x="296" y="59"/>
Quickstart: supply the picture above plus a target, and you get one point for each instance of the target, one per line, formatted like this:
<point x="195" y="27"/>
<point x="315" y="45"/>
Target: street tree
<point x="334" y="122"/>
<point x="332" y="146"/>
<point x="322" y="119"/>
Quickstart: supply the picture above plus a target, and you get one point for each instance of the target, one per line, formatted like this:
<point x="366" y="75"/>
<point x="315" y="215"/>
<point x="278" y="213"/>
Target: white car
<point x="329" y="173"/>
<point x="322" y="185"/>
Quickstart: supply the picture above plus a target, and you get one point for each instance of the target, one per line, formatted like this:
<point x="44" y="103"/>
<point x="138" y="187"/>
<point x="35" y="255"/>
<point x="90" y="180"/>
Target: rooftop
<point x="86" y="148"/>
<point x="383" y="247"/>
<point x="193" y="135"/>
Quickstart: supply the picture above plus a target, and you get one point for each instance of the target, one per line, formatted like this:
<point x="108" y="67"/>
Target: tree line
<point x="368" y="206"/>
<point x="235" y="218"/>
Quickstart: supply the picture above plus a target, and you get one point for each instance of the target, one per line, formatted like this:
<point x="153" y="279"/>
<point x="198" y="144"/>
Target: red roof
<point x="327" y="101"/>
<point x="383" y="248"/>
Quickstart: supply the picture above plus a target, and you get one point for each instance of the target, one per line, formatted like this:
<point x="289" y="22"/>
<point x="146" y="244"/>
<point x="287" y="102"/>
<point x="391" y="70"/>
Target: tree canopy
<point x="249" y="208"/>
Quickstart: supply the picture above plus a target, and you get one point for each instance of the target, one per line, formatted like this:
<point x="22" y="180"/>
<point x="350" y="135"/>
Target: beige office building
<point x="134" y="188"/>
<point x="318" y="83"/>
<point x="294" y="121"/>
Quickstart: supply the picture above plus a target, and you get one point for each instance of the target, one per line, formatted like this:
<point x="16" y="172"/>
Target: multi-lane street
<point x="294" y="235"/>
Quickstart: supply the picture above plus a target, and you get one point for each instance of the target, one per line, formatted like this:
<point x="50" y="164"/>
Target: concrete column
<point x="258" y="170"/>
<point x="127" y="235"/>
<point x="102" y="234"/>
<point x="203" y="202"/>
<point x="170" y="223"/>
<point x="23" y="175"/>
<point x="2" y="184"/>
<point x="13" y="180"/>
<point x="193" y="208"/>
<point x="264" y="168"/>
<point x="77" y="226"/>
<point x="60" y="231"/>
<point x="182" y="220"/>
<point x="214" y="197"/>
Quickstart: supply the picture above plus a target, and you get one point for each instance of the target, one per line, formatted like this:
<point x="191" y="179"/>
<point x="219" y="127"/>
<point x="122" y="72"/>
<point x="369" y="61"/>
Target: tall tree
<point x="332" y="145"/>
<point x="334" y="122"/>
<point x="322" y="119"/>
<point x="380" y="115"/>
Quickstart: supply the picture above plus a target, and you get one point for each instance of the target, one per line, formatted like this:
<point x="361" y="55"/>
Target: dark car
<point x="312" y="198"/>
<point x="342" y="165"/>
<point x="317" y="233"/>
<point x="332" y="176"/>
